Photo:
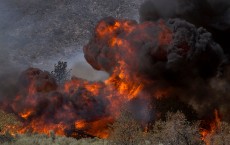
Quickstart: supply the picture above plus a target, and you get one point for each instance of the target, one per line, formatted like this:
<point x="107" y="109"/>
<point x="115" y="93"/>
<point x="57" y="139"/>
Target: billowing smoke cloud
<point x="150" y="49"/>
<point x="170" y="56"/>
<point x="213" y="15"/>
<point x="43" y="105"/>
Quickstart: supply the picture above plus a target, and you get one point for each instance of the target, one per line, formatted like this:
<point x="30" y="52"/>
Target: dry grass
<point x="40" y="139"/>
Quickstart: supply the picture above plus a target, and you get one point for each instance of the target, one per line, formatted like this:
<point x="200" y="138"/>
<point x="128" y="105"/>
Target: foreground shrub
<point x="8" y="126"/>
<point x="176" y="130"/>
<point x="126" y="131"/>
<point x="6" y="138"/>
<point x="8" y="122"/>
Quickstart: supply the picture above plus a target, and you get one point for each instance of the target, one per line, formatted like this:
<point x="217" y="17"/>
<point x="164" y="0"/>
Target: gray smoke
<point x="82" y="69"/>
<point x="39" y="33"/>
<point x="34" y="30"/>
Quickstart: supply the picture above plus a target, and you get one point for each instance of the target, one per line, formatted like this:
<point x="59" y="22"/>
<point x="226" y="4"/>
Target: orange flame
<point x="26" y="114"/>
<point x="37" y="126"/>
<point x="214" y="126"/>
<point x="80" y="124"/>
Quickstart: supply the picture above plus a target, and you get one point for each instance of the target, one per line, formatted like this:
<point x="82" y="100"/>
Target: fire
<point x="214" y="126"/>
<point x="26" y="114"/>
<point x="80" y="124"/>
<point x="103" y="29"/>
<point x="83" y="106"/>
<point x="125" y="85"/>
<point x="37" y="126"/>
<point x="99" y="128"/>
<point x="116" y="41"/>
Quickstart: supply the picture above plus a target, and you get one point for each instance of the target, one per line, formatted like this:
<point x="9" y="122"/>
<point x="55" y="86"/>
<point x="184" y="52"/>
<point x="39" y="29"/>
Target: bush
<point x="8" y="126"/>
<point x="126" y="131"/>
<point x="8" y="123"/>
<point x="176" y="130"/>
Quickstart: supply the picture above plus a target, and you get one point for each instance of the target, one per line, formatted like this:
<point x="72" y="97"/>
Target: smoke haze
<point x="38" y="33"/>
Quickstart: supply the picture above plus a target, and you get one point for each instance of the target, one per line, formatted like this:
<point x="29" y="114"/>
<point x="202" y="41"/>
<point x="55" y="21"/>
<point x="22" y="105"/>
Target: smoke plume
<point x="213" y="15"/>
<point x="171" y="56"/>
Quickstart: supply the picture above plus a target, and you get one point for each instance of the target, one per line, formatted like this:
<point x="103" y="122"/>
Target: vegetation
<point x="60" y="72"/>
<point x="126" y="131"/>
<point x="8" y="123"/>
<point x="175" y="130"/>
<point x="40" y="139"/>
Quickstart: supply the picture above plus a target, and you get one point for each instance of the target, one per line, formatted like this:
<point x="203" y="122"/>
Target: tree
<point x="61" y="73"/>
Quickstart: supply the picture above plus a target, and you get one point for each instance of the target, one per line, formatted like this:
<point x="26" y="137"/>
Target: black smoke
<point x="172" y="55"/>
<point x="213" y="15"/>
<point x="50" y="104"/>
